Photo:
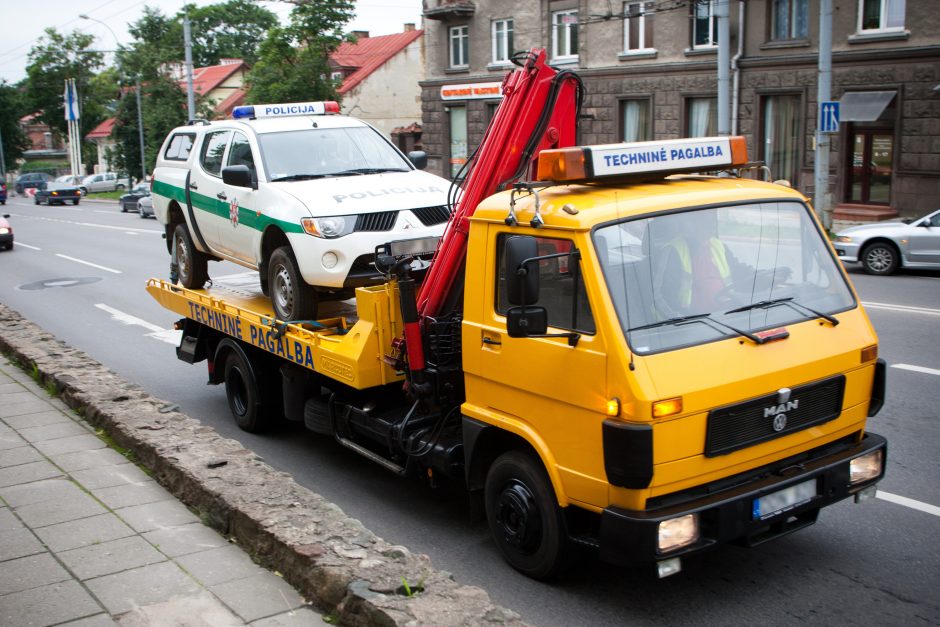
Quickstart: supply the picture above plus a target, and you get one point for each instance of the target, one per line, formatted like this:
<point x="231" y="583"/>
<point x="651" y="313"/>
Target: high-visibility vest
<point x="719" y="258"/>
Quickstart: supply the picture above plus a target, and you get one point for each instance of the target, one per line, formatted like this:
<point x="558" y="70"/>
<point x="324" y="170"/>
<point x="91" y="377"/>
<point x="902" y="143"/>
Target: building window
<point x="789" y="19"/>
<point x="635" y="119"/>
<point x="502" y="40"/>
<point x="637" y="27"/>
<point x="459" y="46"/>
<point x="701" y="117"/>
<point x="704" y="24"/>
<point x="880" y="15"/>
<point x="781" y="133"/>
<point x="458" y="139"/>
<point x="565" y="34"/>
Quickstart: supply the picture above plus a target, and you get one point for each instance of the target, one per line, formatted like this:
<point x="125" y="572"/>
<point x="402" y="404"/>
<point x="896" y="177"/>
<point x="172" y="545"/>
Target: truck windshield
<point x="690" y="277"/>
<point x="322" y="152"/>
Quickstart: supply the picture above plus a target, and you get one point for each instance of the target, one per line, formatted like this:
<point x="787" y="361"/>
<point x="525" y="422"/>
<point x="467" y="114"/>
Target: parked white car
<point x="300" y="194"/>
<point x="102" y="182"/>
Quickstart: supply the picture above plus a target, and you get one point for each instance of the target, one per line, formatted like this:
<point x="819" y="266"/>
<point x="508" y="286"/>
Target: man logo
<point x="784" y="404"/>
<point x="780" y="422"/>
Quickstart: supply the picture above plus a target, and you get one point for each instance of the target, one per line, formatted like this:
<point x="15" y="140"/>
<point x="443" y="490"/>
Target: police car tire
<point x="194" y="274"/>
<point x="290" y="295"/>
<point x="523" y="514"/>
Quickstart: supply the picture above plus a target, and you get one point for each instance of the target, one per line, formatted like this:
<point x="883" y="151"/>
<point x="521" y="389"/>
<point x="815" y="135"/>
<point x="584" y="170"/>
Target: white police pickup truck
<point x="300" y="194"/>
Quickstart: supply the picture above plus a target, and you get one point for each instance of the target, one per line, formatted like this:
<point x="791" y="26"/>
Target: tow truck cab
<point x="734" y="418"/>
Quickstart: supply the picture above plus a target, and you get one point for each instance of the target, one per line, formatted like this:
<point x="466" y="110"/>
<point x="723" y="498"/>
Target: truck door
<point x="241" y="236"/>
<point x="555" y="391"/>
<point x="206" y="189"/>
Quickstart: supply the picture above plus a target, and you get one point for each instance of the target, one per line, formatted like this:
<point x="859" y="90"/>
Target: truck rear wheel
<point x="524" y="517"/>
<point x="241" y="389"/>
<point x="290" y="295"/>
<point x="193" y="265"/>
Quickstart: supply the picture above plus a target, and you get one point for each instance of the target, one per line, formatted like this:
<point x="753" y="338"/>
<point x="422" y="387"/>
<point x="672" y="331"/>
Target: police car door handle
<point x="221" y="196"/>
<point x="193" y="185"/>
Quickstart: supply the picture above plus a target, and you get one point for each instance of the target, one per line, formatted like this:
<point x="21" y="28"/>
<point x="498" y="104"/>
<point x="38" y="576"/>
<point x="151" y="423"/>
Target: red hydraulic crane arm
<point x="539" y="110"/>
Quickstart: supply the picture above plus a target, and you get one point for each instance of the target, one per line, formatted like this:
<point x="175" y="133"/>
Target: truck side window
<point x="213" y="148"/>
<point x="180" y="146"/>
<point x="566" y="309"/>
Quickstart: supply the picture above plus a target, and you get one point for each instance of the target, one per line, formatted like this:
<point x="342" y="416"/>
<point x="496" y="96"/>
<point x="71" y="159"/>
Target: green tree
<point x="293" y="60"/>
<point x="11" y="110"/>
<point x="232" y="30"/>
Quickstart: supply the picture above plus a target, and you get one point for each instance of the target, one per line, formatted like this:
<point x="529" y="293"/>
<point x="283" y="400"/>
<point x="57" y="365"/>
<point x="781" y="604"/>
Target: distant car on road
<point x="145" y="207"/>
<point x="884" y="247"/>
<point x="3" y="193"/>
<point x="30" y="180"/>
<point x="71" y="179"/>
<point x="103" y="182"/>
<point x="57" y="193"/>
<point x="6" y="233"/>
<point x="128" y="202"/>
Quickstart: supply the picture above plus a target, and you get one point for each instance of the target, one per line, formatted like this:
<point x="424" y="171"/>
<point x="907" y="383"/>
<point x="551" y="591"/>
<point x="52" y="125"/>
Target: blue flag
<point x="71" y="100"/>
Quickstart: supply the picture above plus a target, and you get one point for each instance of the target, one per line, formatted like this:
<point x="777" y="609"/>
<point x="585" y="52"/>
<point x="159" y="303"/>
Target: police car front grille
<point x="381" y="221"/>
<point x="745" y="424"/>
<point x="430" y="216"/>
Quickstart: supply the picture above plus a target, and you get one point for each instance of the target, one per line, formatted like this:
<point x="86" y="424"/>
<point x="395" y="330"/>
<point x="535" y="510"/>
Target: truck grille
<point x="380" y="221"/>
<point x="748" y="423"/>
<point x="430" y="216"/>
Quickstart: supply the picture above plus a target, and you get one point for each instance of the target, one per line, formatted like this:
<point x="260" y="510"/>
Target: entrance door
<point x="869" y="180"/>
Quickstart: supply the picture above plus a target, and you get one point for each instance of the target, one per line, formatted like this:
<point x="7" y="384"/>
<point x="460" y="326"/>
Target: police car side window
<point x="240" y="152"/>
<point x="213" y="149"/>
<point x="180" y="146"/>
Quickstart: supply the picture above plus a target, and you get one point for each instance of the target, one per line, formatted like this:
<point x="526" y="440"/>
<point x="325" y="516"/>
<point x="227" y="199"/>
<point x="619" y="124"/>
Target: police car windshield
<point x="749" y="268"/>
<point x="323" y="152"/>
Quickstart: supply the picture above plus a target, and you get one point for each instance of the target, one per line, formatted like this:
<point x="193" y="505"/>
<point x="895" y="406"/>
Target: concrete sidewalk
<point x="87" y="536"/>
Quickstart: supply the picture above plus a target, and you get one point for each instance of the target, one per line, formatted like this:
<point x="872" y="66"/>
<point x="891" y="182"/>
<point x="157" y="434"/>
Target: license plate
<point x="783" y="500"/>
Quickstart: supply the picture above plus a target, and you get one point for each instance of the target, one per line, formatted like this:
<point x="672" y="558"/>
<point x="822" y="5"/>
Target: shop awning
<point x="864" y="106"/>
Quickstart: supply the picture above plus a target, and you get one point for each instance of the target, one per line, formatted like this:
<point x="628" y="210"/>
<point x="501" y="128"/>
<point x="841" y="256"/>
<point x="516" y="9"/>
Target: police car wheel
<point x="193" y="265"/>
<point x="290" y="295"/>
<point x="524" y="517"/>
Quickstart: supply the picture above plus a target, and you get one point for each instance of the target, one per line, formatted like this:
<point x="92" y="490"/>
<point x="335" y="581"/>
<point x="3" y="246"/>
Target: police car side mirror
<point x="522" y="279"/>
<point x="419" y="158"/>
<point x="239" y="176"/>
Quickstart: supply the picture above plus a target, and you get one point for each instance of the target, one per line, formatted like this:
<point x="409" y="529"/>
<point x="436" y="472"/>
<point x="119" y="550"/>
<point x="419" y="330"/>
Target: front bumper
<point x="628" y="537"/>
<point x="847" y="251"/>
<point x="6" y="239"/>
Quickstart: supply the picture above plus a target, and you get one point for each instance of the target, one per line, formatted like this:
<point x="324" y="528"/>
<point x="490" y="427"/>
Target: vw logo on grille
<point x="780" y="422"/>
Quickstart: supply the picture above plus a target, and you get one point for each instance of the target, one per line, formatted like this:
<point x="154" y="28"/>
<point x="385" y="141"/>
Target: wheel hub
<point x="518" y="517"/>
<point x="182" y="258"/>
<point x="283" y="290"/>
<point x="879" y="259"/>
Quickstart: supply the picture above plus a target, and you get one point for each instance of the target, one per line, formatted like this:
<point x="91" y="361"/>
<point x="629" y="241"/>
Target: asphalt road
<point x="79" y="272"/>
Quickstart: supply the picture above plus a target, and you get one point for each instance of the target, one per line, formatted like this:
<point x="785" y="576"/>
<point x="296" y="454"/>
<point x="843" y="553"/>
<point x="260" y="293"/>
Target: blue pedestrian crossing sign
<point x="829" y="116"/>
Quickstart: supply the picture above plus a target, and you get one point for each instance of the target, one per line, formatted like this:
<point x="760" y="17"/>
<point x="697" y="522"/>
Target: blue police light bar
<point x="286" y="109"/>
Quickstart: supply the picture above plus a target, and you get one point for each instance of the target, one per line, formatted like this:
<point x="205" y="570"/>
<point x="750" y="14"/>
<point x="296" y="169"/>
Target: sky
<point x="23" y="22"/>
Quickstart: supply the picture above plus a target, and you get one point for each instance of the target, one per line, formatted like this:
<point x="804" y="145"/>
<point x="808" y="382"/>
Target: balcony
<point x="445" y="10"/>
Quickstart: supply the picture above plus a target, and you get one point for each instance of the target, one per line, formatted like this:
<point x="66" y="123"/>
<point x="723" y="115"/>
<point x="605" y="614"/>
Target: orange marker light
<point x="738" y="150"/>
<point x="613" y="407"/>
<point x="667" y="407"/>
<point x="561" y="164"/>
<point x="869" y="353"/>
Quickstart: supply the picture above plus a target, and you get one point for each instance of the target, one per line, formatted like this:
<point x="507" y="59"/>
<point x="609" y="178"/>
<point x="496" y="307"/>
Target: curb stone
<point x="330" y="558"/>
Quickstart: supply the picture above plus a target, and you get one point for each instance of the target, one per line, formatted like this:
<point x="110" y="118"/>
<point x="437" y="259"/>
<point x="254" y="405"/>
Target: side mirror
<point x="419" y="158"/>
<point x="526" y="321"/>
<point x="522" y="280"/>
<point x="239" y="176"/>
<point x="6" y="215"/>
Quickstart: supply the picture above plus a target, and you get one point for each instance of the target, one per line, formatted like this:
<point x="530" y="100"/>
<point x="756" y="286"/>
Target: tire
<point x="35" y="200"/>
<point x="75" y="202"/>
<point x="123" y="207"/>
<point x="193" y="265"/>
<point x="524" y="517"/>
<point x="290" y="295"/>
<point x="241" y="390"/>
<point x="84" y="190"/>
<point x="119" y="187"/>
<point x="880" y="258"/>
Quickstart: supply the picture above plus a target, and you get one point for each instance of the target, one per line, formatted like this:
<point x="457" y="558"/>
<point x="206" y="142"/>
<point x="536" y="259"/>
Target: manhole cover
<point x="62" y="282"/>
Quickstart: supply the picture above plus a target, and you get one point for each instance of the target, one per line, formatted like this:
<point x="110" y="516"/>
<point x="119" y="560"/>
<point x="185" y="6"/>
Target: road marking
<point x="906" y="502"/>
<point x="88" y="263"/>
<point x="91" y="224"/>
<point x="903" y="308"/>
<point x="101" y="211"/>
<point x="933" y="371"/>
<point x="19" y="243"/>
<point x="170" y="336"/>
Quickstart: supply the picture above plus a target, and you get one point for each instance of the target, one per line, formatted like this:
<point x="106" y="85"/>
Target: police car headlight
<point x="329" y="227"/>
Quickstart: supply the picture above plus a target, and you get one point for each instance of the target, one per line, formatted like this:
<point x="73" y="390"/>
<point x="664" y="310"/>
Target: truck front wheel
<point x="524" y="517"/>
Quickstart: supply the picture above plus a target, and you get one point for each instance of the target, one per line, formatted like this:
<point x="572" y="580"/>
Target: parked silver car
<point x="145" y="207"/>
<point x="103" y="182"/>
<point x="884" y="247"/>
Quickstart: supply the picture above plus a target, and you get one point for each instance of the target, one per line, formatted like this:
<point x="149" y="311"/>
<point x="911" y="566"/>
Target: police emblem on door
<point x="233" y="212"/>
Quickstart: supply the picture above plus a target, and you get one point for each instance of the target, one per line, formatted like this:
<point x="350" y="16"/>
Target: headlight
<point x="843" y="239"/>
<point x="4" y="230"/>
<point x="677" y="532"/>
<point x="329" y="227"/>
<point x="865" y="467"/>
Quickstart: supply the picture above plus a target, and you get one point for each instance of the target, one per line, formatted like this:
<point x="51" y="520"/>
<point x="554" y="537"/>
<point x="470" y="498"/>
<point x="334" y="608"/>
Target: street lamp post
<point x="140" y="116"/>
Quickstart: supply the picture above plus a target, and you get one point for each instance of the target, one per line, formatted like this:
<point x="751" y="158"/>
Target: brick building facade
<point x="649" y="69"/>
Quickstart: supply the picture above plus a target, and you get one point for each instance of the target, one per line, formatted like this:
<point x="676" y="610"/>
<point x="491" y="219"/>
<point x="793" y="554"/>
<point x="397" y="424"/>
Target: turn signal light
<point x="869" y="353"/>
<point x="668" y="407"/>
<point x="561" y="164"/>
<point x="613" y="407"/>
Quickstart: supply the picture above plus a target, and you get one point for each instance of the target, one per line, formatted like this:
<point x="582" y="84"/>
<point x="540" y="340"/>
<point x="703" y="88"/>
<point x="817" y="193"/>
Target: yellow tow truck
<point x="624" y="355"/>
